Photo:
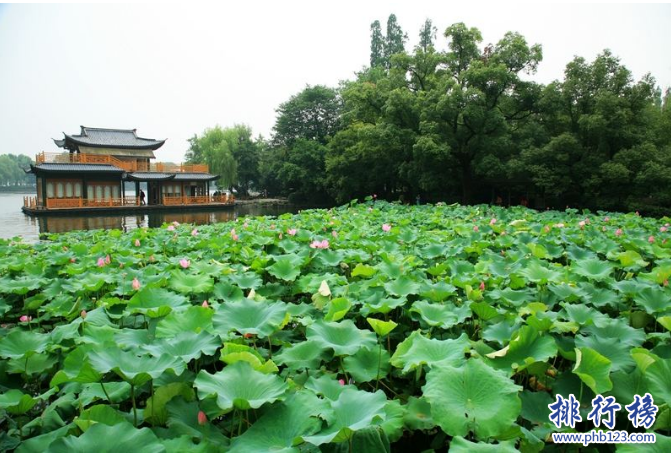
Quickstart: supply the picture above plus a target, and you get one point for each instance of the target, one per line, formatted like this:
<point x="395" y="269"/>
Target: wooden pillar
<point x="137" y="192"/>
<point x="44" y="191"/>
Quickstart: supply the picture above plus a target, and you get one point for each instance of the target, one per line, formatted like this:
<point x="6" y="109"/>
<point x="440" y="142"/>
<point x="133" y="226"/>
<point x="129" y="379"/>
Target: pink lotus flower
<point x="546" y="229"/>
<point x="171" y="228"/>
<point x="492" y="222"/>
<point x="374" y="195"/>
<point x="245" y="225"/>
<point x="334" y="233"/>
<point x="666" y="283"/>
<point x="235" y="237"/>
<point x="320" y="244"/>
<point x="476" y="229"/>
<point x="482" y="286"/>
<point x="618" y="232"/>
<point x="25" y="318"/>
<point x="280" y="236"/>
<point x="72" y="260"/>
<point x="175" y="223"/>
<point x="152" y="259"/>
<point x="582" y="224"/>
<point x="233" y="232"/>
<point x="205" y="304"/>
<point x="101" y="262"/>
<point x="292" y="232"/>
<point x="184" y="263"/>
<point x="137" y="242"/>
<point x="194" y="232"/>
<point x="559" y="225"/>
<point x="83" y="314"/>
<point x="603" y="228"/>
<point x="135" y="284"/>
<point x="637" y="213"/>
<point x="341" y="381"/>
<point x="272" y="226"/>
<point x="651" y="239"/>
<point x="663" y="229"/>
<point x="202" y="418"/>
<point x="386" y="228"/>
<point x="107" y="259"/>
<point x="606" y="219"/>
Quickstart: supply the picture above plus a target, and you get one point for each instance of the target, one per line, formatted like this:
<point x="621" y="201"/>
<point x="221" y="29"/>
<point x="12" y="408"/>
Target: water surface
<point x="13" y="222"/>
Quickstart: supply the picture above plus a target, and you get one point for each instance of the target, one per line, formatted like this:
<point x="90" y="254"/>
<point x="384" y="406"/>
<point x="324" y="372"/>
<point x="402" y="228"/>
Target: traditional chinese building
<point x="97" y="164"/>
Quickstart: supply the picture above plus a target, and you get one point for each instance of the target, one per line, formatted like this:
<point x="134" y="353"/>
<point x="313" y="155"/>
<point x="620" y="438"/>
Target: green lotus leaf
<point x="119" y="438"/>
<point x="250" y="317"/>
<point x="21" y="343"/>
<point x="285" y="269"/>
<point x="327" y="386"/>
<point x="233" y="352"/>
<point x="537" y="273"/>
<point x="593" y="269"/>
<point x="186" y="443"/>
<point x="33" y="364"/>
<point x="593" y="369"/>
<point x="461" y="445"/>
<point x="337" y="309"/>
<point x="330" y="257"/>
<point x="653" y="299"/>
<point x="501" y="332"/>
<point x="631" y="258"/>
<point x="246" y="280"/>
<point x="134" y="369"/>
<point x="402" y="287"/>
<point x="39" y="444"/>
<point x="183" y="420"/>
<point x="381" y="328"/>
<point x="193" y="319"/>
<point x="525" y="348"/>
<point x="444" y="316"/>
<point x="363" y="270"/>
<point x="368" y="364"/>
<point x="437" y="292"/>
<point x="658" y="379"/>
<point x="185" y="345"/>
<point x="226" y="292"/>
<point x="303" y="355"/>
<point x="484" y="310"/>
<point x="156" y="412"/>
<point x="19" y="286"/>
<point x="354" y="410"/>
<point x="76" y="368"/>
<point x="16" y="402"/>
<point x="116" y="391"/>
<point x="417" y="350"/>
<point x="473" y="398"/>
<point x="665" y="321"/>
<point x="343" y="337"/>
<point x="240" y="386"/>
<point x="155" y="302"/>
<point x="190" y="283"/>
<point x="418" y="414"/>
<point x="283" y="426"/>
<point x="382" y="305"/>
<point x="100" y="413"/>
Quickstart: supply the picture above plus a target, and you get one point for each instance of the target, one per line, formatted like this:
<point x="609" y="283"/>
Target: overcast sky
<point x="174" y="70"/>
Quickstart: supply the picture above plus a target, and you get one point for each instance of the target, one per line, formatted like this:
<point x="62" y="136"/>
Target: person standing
<point x="142" y="196"/>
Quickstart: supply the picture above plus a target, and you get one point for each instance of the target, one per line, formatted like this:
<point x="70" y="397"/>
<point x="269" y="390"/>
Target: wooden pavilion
<point x="96" y="165"/>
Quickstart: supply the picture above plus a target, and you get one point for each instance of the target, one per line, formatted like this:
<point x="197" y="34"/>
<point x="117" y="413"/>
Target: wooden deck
<point x="69" y="206"/>
<point x="129" y="165"/>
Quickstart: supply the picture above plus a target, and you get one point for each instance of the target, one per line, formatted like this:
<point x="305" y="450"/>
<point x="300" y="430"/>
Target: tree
<point x="394" y="41"/>
<point x="230" y="153"/>
<point x="312" y="114"/>
<point x="376" y="45"/>
<point x="427" y="34"/>
<point x="194" y="155"/>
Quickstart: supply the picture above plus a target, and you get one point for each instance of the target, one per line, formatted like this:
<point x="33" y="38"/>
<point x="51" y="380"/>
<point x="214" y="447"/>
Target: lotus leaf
<point x="343" y="337"/>
<point x="417" y="350"/>
<point x="240" y="386"/>
<point x="472" y="398"/>
<point x="249" y="317"/>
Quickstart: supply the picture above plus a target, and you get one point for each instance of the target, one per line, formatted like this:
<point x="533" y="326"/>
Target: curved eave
<point x="70" y="169"/>
<point x="153" y="144"/>
<point x="148" y="177"/>
<point x="196" y="177"/>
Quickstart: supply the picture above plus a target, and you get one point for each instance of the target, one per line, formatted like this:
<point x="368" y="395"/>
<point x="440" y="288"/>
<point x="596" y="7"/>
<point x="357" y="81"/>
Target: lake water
<point x="13" y="222"/>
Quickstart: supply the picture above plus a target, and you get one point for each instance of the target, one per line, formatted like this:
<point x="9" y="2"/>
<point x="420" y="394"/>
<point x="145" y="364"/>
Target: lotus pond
<point x="372" y="327"/>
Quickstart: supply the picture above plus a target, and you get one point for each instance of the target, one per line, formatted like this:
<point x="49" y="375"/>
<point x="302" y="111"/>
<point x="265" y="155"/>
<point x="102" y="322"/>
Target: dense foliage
<point x="334" y="330"/>
<point x="12" y="170"/>
<point x="455" y="119"/>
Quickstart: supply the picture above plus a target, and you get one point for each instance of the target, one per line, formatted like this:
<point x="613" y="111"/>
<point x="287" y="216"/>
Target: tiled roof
<point x="113" y="138"/>
<point x="54" y="167"/>
<point x="195" y="177"/>
<point x="149" y="176"/>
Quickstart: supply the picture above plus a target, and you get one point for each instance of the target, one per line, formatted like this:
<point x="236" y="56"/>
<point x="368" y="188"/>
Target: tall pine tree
<point x="426" y="35"/>
<point x="395" y="40"/>
<point x="376" y="45"/>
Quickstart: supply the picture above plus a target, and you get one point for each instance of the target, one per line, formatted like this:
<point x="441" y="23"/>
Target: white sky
<point x="173" y="70"/>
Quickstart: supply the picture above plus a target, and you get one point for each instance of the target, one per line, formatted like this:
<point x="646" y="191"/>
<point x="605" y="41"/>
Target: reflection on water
<point x="14" y="223"/>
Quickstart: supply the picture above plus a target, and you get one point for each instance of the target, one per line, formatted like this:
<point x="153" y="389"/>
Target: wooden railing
<point x="128" y="165"/>
<point x="203" y="199"/>
<point x="30" y="202"/>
